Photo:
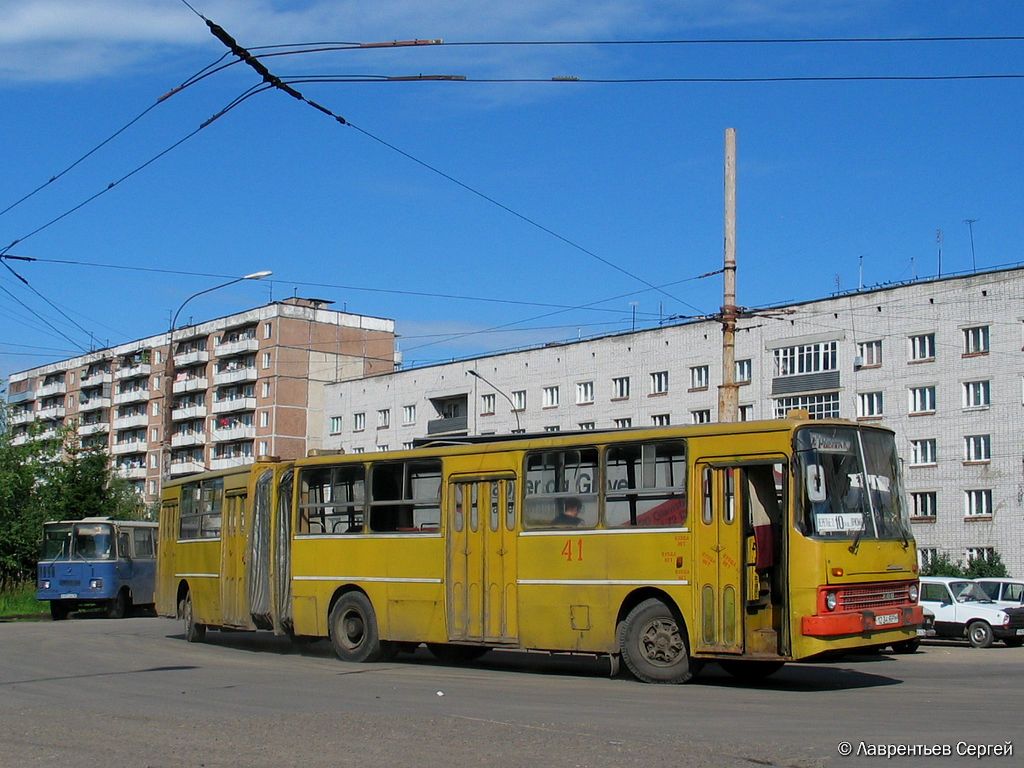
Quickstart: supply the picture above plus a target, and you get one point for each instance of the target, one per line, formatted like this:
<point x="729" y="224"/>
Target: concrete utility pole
<point x="728" y="392"/>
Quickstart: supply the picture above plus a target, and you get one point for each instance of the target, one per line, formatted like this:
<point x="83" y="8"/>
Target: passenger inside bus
<point x="570" y="514"/>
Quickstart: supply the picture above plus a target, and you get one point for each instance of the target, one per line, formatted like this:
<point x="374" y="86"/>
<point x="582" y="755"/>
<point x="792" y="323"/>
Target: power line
<point x="46" y="322"/>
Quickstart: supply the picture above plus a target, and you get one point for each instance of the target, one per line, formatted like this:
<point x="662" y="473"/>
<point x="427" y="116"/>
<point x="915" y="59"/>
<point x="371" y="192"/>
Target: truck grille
<point x="871" y="597"/>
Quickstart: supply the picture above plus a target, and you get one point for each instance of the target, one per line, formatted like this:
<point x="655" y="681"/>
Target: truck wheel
<point x="980" y="634"/>
<point x="653" y="646"/>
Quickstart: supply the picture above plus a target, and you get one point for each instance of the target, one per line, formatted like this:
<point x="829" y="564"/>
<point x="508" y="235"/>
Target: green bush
<point x="943" y="565"/>
<point x="986" y="567"/>
<point x="21" y="600"/>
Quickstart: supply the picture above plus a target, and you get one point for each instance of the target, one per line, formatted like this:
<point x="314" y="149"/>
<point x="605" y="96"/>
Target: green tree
<point x="943" y="565"/>
<point x="988" y="566"/>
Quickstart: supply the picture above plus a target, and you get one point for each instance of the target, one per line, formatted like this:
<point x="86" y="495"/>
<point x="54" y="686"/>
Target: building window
<point x="976" y="340"/>
<point x="553" y="429"/>
<point x="661" y="419"/>
<point x="264" y="448"/>
<point x="154" y="460"/>
<point x="335" y="425"/>
<point x="265" y="389"/>
<point x="487" y="405"/>
<point x="823" y="406"/>
<point x="152" y="487"/>
<point x="698" y="377"/>
<point x="806" y="358"/>
<point x="550" y="397"/>
<point x="519" y="399"/>
<point x="977" y="394"/>
<point x="978" y="448"/>
<point x="870" y="353"/>
<point x="620" y="388"/>
<point x="358" y="449"/>
<point x="869" y="405"/>
<point x="154" y="435"/>
<point x="922" y="452"/>
<point x="155" y="410"/>
<point x="744" y="371"/>
<point x="979" y="553"/>
<point x="267" y="330"/>
<point x="409" y="414"/>
<point x="926" y="556"/>
<point x="924" y="504"/>
<point x="702" y="416"/>
<point x="383" y="418"/>
<point x="584" y="392"/>
<point x="623" y="423"/>
<point x="659" y="382"/>
<point x="264" y="418"/>
<point x="922" y="400"/>
<point x="586" y="426"/>
<point x="266" y="360"/>
<point x="978" y="503"/>
<point x="382" y="448"/>
<point x="922" y="347"/>
<point x="407" y="446"/>
<point x="358" y="422"/>
<point x="746" y="412"/>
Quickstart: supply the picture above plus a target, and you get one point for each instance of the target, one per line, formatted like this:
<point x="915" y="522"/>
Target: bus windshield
<point x="93" y="541"/>
<point x="56" y="542"/>
<point x="851" y="484"/>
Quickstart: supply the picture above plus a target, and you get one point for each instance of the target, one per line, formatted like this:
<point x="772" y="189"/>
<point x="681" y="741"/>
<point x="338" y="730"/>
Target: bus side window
<point x="124" y="545"/>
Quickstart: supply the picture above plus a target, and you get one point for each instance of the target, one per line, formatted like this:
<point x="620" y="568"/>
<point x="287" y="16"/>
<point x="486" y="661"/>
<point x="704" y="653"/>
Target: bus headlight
<point x="830" y="600"/>
<point x="95" y="583"/>
<point x="44" y="584"/>
<point x="912" y="593"/>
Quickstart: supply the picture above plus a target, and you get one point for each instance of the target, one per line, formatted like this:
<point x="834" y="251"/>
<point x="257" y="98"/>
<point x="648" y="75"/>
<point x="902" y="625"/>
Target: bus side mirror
<point x="815" y="483"/>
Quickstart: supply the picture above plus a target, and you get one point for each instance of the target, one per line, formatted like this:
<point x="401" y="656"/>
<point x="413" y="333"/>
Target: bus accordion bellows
<point x="749" y="544"/>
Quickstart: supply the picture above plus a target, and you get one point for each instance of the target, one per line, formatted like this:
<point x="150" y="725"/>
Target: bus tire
<point x="456" y="654"/>
<point x="750" y="670"/>
<point x="907" y="646"/>
<point x="353" y="629"/>
<point x="59" y="610"/>
<point x="979" y="633"/>
<point x="194" y="632"/>
<point x="653" y="645"/>
<point x="118" y="607"/>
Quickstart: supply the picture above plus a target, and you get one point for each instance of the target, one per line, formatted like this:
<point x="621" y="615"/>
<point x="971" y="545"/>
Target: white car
<point x="962" y="609"/>
<point x="1006" y="593"/>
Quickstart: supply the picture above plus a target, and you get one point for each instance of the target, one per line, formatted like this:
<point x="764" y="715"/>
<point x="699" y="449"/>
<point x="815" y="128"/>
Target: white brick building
<point x="940" y="361"/>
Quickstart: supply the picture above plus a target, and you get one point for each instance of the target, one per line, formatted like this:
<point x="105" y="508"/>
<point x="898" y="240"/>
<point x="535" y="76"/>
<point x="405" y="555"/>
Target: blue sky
<point x="829" y="172"/>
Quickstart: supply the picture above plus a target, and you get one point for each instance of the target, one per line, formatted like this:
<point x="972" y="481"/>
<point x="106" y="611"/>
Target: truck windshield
<point x="93" y="541"/>
<point x="56" y="542"/>
<point x="851" y="484"/>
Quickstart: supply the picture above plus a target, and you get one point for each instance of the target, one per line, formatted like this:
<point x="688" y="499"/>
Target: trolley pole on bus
<point x="168" y="423"/>
<point x="728" y="392"/>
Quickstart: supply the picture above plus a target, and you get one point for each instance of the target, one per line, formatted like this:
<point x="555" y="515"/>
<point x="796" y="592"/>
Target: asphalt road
<point x="97" y="692"/>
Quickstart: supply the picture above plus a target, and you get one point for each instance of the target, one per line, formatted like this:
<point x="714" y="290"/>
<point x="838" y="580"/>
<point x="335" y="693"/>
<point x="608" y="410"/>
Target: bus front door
<point x="720" y="561"/>
<point x="481" y="560"/>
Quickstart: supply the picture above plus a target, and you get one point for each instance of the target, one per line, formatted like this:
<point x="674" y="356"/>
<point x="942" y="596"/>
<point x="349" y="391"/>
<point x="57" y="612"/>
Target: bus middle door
<point x="481" y="560"/>
<point x="720" y="561"/>
<point x="234" y="594"/>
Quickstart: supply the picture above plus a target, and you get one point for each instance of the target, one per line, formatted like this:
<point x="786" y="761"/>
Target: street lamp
<point x="515" y="411"/>
<point x="165" y="453"/>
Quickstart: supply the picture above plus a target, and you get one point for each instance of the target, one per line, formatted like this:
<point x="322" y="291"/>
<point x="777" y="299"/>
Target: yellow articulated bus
<point x="748" y="544"/>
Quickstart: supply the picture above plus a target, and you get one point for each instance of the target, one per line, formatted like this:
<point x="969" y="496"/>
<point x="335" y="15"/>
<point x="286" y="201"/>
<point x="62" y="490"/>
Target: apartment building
<point x="940" y="361"/>
<point x="237" y="387"/>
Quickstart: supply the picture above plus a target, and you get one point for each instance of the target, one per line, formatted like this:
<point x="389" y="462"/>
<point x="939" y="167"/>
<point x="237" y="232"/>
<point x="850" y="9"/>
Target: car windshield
<point x="56" y="542"/>
<point x="851" y="484"/>
<point x="968" y="592"/>
<point x="94" y="541"/>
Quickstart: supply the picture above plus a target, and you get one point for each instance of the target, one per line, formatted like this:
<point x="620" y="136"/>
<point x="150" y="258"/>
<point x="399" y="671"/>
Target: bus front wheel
<point x="118" y="607"/>
<point x="652" y="645"/>
<point x="194" y="632"/>
<point x="353" y="626"/>
<point x="59" y="610"/>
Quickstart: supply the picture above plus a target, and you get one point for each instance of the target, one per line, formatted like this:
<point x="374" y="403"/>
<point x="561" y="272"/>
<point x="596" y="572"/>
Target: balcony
<point x="134" y="371"/>
<point x="127" y="422"/>
<point x="94" y="403"/>
<point x="230" y="463"/>
<point x="132" y="473"/>
<point x="21" y="397"/>
<point x="25" y="417"/>
<point x="183" y="359"/>
<point x="53" y="412"/>
<point x="241" y="432"/>
<point x="232" y="404"/>
<point x="188" y="412"/>
<point x="239" y="374"/>
<point x="237" y="347"/>
<point x="93" y="429"/>
<point x="20" y="439"/>
<point x="95" y="379"/>
<point x="131" y="396"/>
<point x="186" y="468"/>
<point x="54" y="388"/>
<point x="453" y="425"/>
<point x="129" y="446"/>
<point x="186" y="439"/>
<point x="195" y="384"/>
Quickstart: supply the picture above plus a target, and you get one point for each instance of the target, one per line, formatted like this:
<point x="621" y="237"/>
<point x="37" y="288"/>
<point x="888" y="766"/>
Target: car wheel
<point x="980" y="634"/>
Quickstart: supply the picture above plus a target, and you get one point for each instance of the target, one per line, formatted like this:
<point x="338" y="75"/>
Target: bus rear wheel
<point x="194" y="632"/>
<point x="653" y="646"/>
<point x="59" y="610"/>
<point x="353" y="626"/>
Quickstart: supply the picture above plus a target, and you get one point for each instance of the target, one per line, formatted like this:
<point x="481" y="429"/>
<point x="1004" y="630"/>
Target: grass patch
<point x="21" y="601"/>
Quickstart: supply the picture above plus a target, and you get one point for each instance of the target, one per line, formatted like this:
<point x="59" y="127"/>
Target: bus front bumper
<point x="859" y="622"/>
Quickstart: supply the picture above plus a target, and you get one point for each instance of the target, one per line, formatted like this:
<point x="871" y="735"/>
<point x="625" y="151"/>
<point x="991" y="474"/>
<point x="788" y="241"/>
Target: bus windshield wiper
<point x="855" y="544"/>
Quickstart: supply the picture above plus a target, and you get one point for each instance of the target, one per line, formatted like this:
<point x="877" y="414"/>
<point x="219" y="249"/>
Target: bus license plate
<point x="68" y="596"/>
<point x="889" y="618"/>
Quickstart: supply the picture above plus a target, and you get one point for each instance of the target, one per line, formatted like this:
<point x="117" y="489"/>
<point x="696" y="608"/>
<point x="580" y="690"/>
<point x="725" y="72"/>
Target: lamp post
<point x="515" y="411"/>
<point x="165" y="452"/>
